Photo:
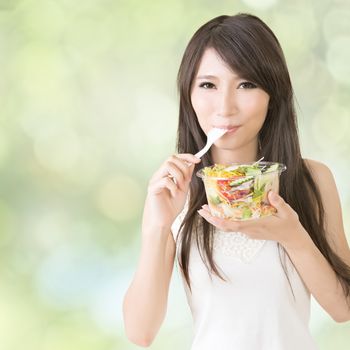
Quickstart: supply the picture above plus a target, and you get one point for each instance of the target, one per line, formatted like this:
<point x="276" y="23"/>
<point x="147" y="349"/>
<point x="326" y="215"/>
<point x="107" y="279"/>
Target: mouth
<point x="229" y="128"/>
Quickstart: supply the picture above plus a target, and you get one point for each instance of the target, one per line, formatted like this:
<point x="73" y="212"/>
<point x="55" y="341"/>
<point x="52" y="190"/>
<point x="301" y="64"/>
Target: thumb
<point x="275" y="200"/>
<point x="278" y="203"/>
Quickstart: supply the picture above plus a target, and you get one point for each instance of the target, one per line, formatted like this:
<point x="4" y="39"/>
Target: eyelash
<point x="202" y="85"/>
<point x="251" y="85"/>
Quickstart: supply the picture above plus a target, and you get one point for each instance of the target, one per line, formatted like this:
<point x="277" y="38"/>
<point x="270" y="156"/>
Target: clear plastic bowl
<point x="237" y="197"/>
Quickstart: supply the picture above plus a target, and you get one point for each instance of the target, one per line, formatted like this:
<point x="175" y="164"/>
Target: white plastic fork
<point x="213" y="135"/>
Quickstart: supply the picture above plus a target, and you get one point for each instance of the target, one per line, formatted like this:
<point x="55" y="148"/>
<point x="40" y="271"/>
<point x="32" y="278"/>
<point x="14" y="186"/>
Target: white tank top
<point x="255" y="308"/>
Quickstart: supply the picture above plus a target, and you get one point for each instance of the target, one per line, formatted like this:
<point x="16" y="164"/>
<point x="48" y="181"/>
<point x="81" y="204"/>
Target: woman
<point x="233" y="75"/>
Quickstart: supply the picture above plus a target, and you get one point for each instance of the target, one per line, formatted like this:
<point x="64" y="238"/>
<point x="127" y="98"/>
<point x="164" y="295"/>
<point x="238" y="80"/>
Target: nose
<point x="227" y="106"/>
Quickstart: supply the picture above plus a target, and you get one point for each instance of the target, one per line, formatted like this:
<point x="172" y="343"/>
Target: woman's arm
<point x="319" y="277"/>
<point x="333" y="213"/>
<point x="314" y="269"/>
<point x="145" y="302"/>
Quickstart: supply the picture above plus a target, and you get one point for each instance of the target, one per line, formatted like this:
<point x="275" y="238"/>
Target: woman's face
<point x="223" y="99"/>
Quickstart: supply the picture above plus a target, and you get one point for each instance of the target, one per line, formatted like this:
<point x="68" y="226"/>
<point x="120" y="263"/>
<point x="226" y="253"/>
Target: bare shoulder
<point x="324" y="179"/>
<point x="319" y="170"/>
<point x="326" y="184"/>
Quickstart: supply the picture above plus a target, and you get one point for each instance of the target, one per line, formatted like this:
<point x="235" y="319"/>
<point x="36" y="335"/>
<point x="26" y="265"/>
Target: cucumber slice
<point x="215" y="200"/>
<point x="253" y="171"/>
<point x="241" y="181"/>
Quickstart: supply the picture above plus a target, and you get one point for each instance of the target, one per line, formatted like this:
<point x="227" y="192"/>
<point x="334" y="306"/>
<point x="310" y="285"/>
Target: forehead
<point x="212" y="64"/>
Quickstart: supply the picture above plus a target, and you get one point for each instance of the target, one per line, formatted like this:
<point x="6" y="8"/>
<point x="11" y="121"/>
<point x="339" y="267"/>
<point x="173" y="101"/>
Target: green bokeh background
<point x="88" y="112"/>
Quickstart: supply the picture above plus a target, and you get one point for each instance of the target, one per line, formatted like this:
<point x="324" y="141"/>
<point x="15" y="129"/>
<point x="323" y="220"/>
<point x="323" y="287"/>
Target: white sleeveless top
<point x="255" y="308"/>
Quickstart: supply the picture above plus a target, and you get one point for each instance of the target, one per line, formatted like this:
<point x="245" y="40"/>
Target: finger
<point x="161" y="185"/>
<point x="188" y="157"/>
<point x="206" y="207"/>
<point x="189" y="167"/>
<point x="169" y="168"/>
<point x="172" y="171"/>
<point x="278" y="203"/>
<point x="183" y="166"/>
<point x="222" y="224"/>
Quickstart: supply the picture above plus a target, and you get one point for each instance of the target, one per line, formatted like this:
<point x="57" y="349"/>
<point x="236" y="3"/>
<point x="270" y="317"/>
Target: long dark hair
<point x="251" y="49"/>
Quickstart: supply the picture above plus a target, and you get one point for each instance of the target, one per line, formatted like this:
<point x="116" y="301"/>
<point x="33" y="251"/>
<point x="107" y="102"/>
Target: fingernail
<point x="273" y="195"/>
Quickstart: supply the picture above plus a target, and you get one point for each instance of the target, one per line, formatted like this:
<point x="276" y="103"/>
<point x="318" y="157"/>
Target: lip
<point x="229" y="128"/>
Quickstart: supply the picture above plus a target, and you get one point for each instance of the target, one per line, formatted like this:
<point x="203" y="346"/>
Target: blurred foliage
<point x="88" y="112"/>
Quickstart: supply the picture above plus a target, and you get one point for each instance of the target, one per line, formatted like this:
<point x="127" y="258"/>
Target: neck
<point x="245" y="154"/>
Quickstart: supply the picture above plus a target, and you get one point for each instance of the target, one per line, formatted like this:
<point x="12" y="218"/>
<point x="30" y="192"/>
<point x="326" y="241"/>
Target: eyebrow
<point x="208" y="76"/>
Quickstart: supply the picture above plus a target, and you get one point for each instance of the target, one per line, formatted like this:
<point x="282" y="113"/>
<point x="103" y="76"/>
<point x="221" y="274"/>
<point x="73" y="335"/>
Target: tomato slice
<point x="228" y="192"/>
<point x="224" y="185"/>
<point x="234" y="195"/>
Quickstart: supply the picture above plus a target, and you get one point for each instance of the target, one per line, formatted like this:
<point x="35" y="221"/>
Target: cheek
<point x="202" y="109"/>
<point x="199" y="104"/>
<point x="257" y="107"/>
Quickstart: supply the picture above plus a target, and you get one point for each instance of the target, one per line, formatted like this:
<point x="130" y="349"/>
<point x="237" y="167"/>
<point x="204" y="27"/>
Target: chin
<point x="226" y="145"/>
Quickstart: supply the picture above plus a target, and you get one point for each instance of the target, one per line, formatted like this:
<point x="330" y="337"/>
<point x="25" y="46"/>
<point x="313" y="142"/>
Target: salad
<point x="240" y="191"/>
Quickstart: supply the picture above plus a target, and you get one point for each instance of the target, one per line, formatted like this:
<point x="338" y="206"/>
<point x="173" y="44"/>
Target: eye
<point x="207" y="85"/>
<point x="247" y="85"/>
